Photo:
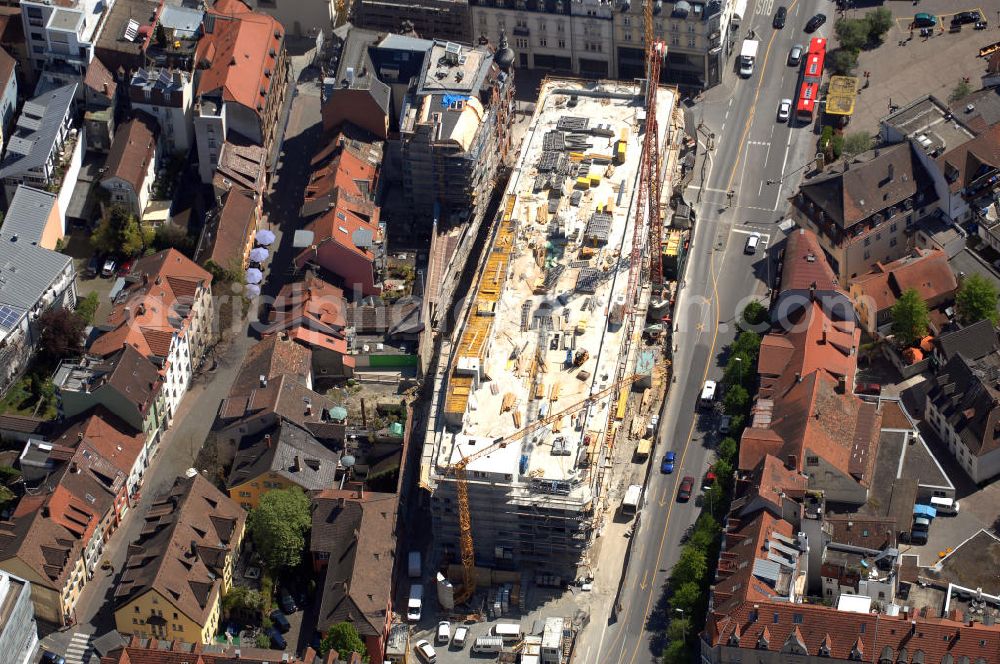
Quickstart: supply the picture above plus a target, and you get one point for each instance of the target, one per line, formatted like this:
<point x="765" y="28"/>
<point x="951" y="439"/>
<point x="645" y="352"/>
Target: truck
<point x="748" y="56"/>
<point x="632" y="502"/>
<point x="414" y="565"/>
<point x="415" y="604"/>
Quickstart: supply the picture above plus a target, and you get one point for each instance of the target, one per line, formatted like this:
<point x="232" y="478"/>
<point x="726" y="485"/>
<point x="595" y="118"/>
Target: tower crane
<point x="462" y="487"/>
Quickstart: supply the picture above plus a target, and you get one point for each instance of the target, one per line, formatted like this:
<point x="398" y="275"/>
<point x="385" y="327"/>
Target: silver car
<point x="784" y="110"/>
<point x="795" y="55"/>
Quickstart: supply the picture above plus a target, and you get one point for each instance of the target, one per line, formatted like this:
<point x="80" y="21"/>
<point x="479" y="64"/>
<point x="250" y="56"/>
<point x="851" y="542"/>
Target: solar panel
<point x="9" y="316"/>
<point x="132" y="30"/>
<point x="164" y="78"/>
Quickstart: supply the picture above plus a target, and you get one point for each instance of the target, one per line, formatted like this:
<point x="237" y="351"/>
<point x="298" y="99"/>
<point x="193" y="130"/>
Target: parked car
<point x="443" y="633"/>
<point x="93" y="266"/>
<point x="710" y="478"/>
<point x="49" y="657"/>
<point x="784" y="110"/>
<point x="109" y="268"/>
<point x="779" y="18"/>
<point x="684" y="492"/>
<point x="961" y="18"/>
<point x="126" y="267"/>
<point x="753" y="241"/>
<point x="277" y="640"/>
<point x="924" y="20"/>
<point x="813" y="24"/>
<point x="795" y="55"/>
<point x="667" y="466"/>
<point x="280" y="621"/>
<point x="286" y="602"/>
<point x="461" y="634"/>
<point x="724" y="422"/>
<point x="425" y="650"/>
<point x="874" y="389"/>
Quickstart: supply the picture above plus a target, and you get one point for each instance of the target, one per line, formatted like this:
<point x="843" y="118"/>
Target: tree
<point x="857" y="142"/>
<point x="976" y="300"/>
<point x="691" y="566"/>
<point x="909" y="318"/>
<point x="724" y="471"/>
<point x="738" y="369"/>
<point x="755" y="315"/>
<point x="837" y="145"/>
<point x="676" y="652"/>
<point x="60" y="333"/>
<point x="343" y="638"/>
<point x="86" y="308"/>
<point x="706" y="529"/>
<point x="960" y="91"/>
<point x="879" y="22"/>
<point x="121" y="232"/>
<point x="728" y="449"/>
<point x="843" y="61"/>
<point x="169" y="236"/>
<point x="747" y="343"/>
<point x="686" y="597"/>
<point x="242" y="598"/>
<point x="223" y="275"/>
<point x="736" y="400"/>
<point x="278" y="527"/>
<point x="852" y="33"/>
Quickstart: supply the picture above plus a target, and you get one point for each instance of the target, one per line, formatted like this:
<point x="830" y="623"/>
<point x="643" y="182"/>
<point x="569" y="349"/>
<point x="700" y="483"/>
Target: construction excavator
<point x="462" y="488"/>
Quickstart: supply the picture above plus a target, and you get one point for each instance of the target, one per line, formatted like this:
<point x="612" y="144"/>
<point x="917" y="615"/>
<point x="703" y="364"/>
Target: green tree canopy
<point x="686" y="597"/>
<point x="677" y="652"/>
<point x="736" y="400"/>
<point x="241" y="597"/>
<point x="747" y="343"/>
<point x="976" y="300"/>
<point x="278" y="526"/>
<point x="691" y="566"/>
<point x="852" y="33"/>
<point x="343" y="638"/>
<point x="879" y="22"/>
<point x="121" y="233"/>
<point x="910" y="318"/>
<point x="843" y="60"/>
<point x="728" y="449"/>
<point x="960" y="92"/>
<point x="86" y="308"/>
<point x="755" y="314"/>
<point x="857" y="142"/>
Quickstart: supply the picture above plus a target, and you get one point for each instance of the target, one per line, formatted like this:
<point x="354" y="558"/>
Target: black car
<point x="52" y="658"/>
<point x="286" y="602"/>
<point x="277" y="640"/>
<point x="279" y="620"/>
<point x="779" y="18"/>
<point x="961" y="18"/>
<point x="813" y="24"/>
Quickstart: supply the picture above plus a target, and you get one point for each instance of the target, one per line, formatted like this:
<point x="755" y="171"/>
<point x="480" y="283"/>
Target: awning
<point x="924" y="510"/>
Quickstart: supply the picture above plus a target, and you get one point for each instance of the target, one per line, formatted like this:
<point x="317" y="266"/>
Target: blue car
<point x="668" y="463"/>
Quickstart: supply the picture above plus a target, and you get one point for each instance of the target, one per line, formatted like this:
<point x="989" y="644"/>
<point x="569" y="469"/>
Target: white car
<point x="443" y="633"/>
<point x="461" y="634"/>
<point x="109" y="268"/>
<point x="784" y="110"/>
<point x="426" y="651"/>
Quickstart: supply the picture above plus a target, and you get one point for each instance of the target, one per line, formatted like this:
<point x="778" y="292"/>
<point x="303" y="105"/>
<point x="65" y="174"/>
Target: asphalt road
<point x="750" y="148"/>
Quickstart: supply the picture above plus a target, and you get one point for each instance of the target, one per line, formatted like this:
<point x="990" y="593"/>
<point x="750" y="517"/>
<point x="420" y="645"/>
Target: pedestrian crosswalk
<point x="78" y="650"/>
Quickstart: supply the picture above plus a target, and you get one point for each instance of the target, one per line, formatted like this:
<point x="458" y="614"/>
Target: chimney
<point x="263" y="380"/>
<point x="194" y="549"/>
<point x="842" y="384"/>
<point x="45" y="511"/>
<point x="296" y="464"/>
<point x="159" y="280"/>
<point x="791" y="462"/>
<point x="825" y="329"/>
<point x="79" y="435"/>
<point x="73" y="468"/>
<point x="145" y="278"/>
<point x="309" y="407"/>
<point x="812" y="292"/>
<point x="798" y="377"/>
<point x="267" y="439"/>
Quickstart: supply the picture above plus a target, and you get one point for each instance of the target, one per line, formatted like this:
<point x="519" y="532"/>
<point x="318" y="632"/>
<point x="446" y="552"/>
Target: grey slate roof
<point x="355" y="57"/>
<point x="36" y="130"/>
<point x="185" y="21"/>
<point x="974" y="341"/>
<point x="29" y="210"/>
<point x="289" y="451"/>
<point x="26" y="272"/>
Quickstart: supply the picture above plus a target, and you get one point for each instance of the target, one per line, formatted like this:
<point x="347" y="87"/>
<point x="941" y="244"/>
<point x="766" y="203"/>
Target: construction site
<point x="561" y="344"/>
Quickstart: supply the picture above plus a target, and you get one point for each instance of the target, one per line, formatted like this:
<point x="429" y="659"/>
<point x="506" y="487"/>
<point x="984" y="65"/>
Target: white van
<point x="488" y="644"/>
<point x="945" y="506"/>
<point x="750" y="247"/>
<point x="707" y="394"/>
<point x="415" y="603"/>
<point x="508" y="631"/>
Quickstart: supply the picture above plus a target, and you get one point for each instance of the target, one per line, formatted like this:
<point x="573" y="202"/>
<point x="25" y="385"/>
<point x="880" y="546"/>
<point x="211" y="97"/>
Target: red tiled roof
<point x="154" y="306"/>
<point x="132" y="151"/>
<point x="152" y="651"/>
<point x="237" y="222"/>
<point x="100" y="79"/>
<point x="113" y="439"/>
<point x="805" y="265"/>
<point x="240" y="48"/>
<point x="928" y="273"/>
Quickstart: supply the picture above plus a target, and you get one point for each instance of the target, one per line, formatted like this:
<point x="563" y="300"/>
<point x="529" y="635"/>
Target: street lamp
<point x="683" y="625"/>
<point x="740" y="361"/>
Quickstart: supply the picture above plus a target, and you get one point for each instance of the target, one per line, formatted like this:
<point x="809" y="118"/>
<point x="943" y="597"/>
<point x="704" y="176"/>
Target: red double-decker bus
<point x="817" y="45"/>
<point x="806" y="106"/>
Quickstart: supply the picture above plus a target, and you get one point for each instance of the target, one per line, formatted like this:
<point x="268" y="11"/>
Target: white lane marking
<point x="763" y="8"/>
<point x="765" y="238"/>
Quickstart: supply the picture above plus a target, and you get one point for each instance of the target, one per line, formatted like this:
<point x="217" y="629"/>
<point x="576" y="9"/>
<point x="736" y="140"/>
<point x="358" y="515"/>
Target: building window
<point x="560" y="27"/>
<point x="627" y="20"/>
<point x="245" y="494"/>
<point x="542" y="42"/>
<point x="562" y="43"/>
<point x="521" y="42"/>
<point x="878" y="236"/>
<point x="892" y="242"/>
<point x="868" y="241"/>
<point x="675" y="40"/>
<point x="522" y="23"/>
<point x="692" y="42"/>
<point x="868" y="254"/>
<point x="893" y="226"/>
<point x="628" y="36"/>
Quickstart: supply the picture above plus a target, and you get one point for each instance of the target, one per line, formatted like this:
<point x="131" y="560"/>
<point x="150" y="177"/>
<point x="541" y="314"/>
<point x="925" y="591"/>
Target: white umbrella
<point x="259" y="254"/>
<point x="264" y="237"/>
<point x="254" y="276"/>
<point x="252" y="290"/>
